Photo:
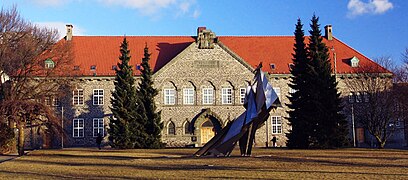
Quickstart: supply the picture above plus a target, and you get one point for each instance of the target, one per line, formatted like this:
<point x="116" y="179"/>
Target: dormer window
<point x="93" y="67"/>
<point x="49" y="64"/>
<point x="354" y="62"/>
<point x="114" y="67"/>
<point x="291" y="65"/>
<point x="76" y="68"/>
<point x="272" y="66"/>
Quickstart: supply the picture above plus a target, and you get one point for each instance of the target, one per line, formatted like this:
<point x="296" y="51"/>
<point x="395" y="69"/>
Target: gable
<point x="216" y="66"/>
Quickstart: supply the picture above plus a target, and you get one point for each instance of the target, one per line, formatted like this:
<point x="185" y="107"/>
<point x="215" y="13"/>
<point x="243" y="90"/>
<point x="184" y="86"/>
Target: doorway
<point x="207" y="131"/>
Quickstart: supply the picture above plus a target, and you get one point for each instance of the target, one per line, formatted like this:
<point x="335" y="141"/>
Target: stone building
<point x="201" y="81"/>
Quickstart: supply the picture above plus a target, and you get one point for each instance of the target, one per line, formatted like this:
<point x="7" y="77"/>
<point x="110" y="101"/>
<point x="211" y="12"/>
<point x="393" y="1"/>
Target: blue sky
<point x="373" y="27"/>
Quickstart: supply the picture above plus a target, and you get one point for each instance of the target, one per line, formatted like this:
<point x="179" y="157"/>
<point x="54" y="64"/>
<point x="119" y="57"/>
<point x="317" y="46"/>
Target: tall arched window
<point x="171" y="128"/>
<point x="187" y="129"/>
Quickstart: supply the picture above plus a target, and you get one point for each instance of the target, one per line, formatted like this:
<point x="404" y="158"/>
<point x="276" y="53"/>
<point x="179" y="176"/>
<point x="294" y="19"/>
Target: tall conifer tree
<point x="128" y="121"/>
<point x="147" y="92"/>
<point x="329" y="125"/>
<point x="298" y="113"/>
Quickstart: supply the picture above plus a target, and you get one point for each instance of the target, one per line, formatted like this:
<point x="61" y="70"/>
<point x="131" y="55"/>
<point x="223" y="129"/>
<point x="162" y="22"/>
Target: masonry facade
<point x="201" y="82"/>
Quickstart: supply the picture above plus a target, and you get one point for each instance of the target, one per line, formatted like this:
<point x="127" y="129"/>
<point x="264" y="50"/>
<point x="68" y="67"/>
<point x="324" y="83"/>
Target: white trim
<point x="169" y="95"/>
<point x="76" y="126"/>
<point x="242" y="93"/>
<point x="208" y="96"/>
<point x="188" y="96"/>
<point x="98" y="127"/>
<point x="276" y="124"/>
<point x="98" y="96"/>
<point x="226" y="95"/>
<point x="79" y="96"/>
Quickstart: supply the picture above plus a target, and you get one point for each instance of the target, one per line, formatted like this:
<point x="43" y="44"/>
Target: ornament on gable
<point x="205" y="38"/>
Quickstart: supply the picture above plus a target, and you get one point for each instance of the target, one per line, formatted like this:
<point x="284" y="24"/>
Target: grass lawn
<point x="91" y="163"/>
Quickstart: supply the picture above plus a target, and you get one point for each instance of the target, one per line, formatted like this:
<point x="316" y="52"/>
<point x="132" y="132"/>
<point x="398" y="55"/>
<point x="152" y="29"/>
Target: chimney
<point x="69" y="35"/>
<point x="200" y="29"/>
<point x="328" y="32"/>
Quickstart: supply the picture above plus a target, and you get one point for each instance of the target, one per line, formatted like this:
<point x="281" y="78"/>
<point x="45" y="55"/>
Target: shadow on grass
<point x="327" y="162"/>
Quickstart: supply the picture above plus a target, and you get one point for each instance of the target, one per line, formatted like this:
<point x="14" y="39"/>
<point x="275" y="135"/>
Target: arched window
<point x="171" y="128"/>
<point x="187" y="129"/>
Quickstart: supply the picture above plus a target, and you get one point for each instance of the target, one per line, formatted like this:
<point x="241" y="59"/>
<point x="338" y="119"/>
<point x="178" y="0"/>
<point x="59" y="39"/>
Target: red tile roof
<point x="103" y="51"/>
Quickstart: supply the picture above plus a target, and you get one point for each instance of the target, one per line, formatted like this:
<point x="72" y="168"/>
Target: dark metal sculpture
<point x="260" y="99"/>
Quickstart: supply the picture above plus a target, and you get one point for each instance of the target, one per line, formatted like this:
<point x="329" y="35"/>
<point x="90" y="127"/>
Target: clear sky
<point x="373" y="27"/>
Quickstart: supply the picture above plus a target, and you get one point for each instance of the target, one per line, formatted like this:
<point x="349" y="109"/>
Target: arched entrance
<point x="205" y="125"/>
<point x="207" y="131"/>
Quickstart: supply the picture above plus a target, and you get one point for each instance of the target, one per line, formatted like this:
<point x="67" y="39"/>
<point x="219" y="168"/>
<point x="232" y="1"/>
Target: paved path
<point x="4" y="158"/>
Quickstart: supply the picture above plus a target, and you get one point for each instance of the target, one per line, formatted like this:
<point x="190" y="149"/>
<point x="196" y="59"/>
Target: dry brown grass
<point x="90" y="163"/>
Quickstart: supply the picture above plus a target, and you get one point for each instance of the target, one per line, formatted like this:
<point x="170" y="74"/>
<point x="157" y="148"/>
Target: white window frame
<point x="242" y="94"/>
<point x="98" y="97"/>
<point x="351" y="98"/>
<point x="48" y="100"/>
<point x="276" y="124"/>
<point x="78" y="97"/>
<point x="99" y="127"/>
<point x="226" y="95"/>
<point x="208" y="95"/>
<point x="188" y="96"/>
<point x="55" y="101"/>
<point x="169" y="95"/>
<point x="76" y="126"/>
<point x="359" y="99"/>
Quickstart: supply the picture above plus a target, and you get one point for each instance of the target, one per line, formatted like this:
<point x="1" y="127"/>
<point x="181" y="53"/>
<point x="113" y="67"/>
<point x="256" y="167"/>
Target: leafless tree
<point x="24" y="47"/>
<point x="374" y="101"/>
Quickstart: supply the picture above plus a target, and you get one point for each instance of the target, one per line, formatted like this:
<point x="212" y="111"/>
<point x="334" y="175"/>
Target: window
<point x="187" y="128"/>
<point x="98" y="127"/>
<point x="366" y="97"/>
<point x="276" y="124"/>
<point x="76" y="68"/>
<point x="171" y="128"/>
<point x="188" y="96"/>
<point x="351" y="97"/>
<point x="78" y="97"/>
<point x="208" y="96"/>
<point x="48" y="101"/>
<point x="78" y="128"/>
<point x="169" y="96"/>
<point x="55" y="101"/>
<point x="52" y="101"/>
<point x="291" y="65"/>
<point x="93" y="67"/>
<point x="242" y="93"/>
<point x="358" y="98"/>
<point x="226" y="95"/>
<point x="49" y="64"/>
<point x="114" y="67"/>
<point x="98" y="97"/>
<point x="272" y="66"/>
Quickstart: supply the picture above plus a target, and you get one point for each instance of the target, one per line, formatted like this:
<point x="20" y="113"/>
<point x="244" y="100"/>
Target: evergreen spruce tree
<point x="128" y="120"/>
<point x="299" y="99"/>
<point x="147" y="92"/>
<point x="329" y="125"/>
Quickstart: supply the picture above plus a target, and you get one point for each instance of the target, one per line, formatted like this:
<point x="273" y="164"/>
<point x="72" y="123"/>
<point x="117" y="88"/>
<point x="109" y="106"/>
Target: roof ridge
<point x="171" y="36"/>
<point x="256" y="36"/>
